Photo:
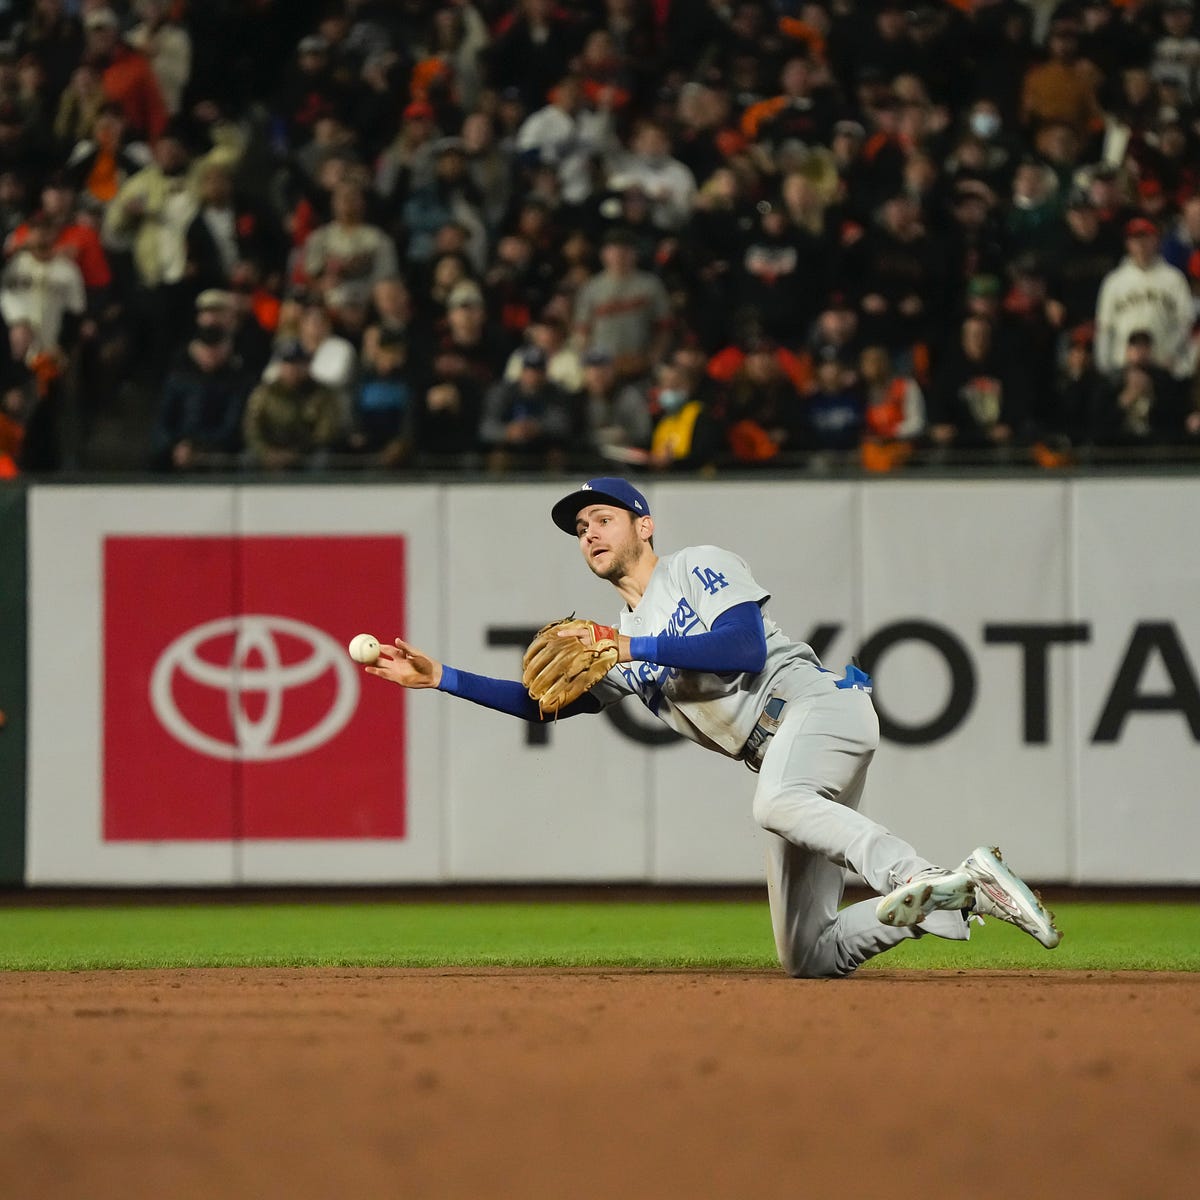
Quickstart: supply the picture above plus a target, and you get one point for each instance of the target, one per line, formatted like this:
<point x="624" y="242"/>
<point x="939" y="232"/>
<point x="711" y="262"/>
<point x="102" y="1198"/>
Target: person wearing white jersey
<point x="1145" y="292"/>
<point x="698" y="649"/>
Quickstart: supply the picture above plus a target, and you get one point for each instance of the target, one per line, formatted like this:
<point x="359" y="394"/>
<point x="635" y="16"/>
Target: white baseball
<point x="364" y="648"/>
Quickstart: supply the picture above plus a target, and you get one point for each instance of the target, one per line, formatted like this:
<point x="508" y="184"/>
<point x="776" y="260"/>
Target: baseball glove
<point x="558" y="669"/>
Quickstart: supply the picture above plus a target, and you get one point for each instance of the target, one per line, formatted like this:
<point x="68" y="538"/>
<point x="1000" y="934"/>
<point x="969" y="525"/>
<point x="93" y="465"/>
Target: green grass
<point x="713" y="935"/>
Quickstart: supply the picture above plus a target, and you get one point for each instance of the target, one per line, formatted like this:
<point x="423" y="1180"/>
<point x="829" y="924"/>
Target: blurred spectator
<point x="684" y="436"/>
<point x="407" y="162"/>
<point x="55" y="36"/>
<point x="458" y="39"/>
<point x="622" y="310"/>
<point x="993" y="149"/>
<point x="228" y="229"/>
<point x="29" y="427"/>
<point x="200" y="411"/>
<point x="391" y="304"/>
<point x="527" y="421"/>
<point x="977" y="398"/>
<point x="22" y="149"/>
<point x="975" y="239"/>
<point x="309" y="90"/>
<point x="1140" y="403"/>
<point x="1034" y="322"/>
<point x="568" y="134"/>
<point x="1034" y="217"/>
<point x="564" y="366"/>
<point x="1182" y="240"/>
<point x="1144" y="293"/>
<point x="488" y="168"/>
<point x="781" y="272"/>
<point x="530" y="46"/>
<point x="468" y="343"/>
<point x="1109" y="189"/>
<point x="1082" y="256"/>
<point x="167" y="45"/>
<point x="617" y="423"/>
<point x="1076" y="387"/>
<point x="385" y="402"/>
<point x="1062" y="89"/>
<point x="292" y="421"/>
<point x="803" y="112"/>
<point x="1100" y="37"/>
<point x="148" y="219"/>
<point x="1171" y="165"/>
<point x="763" y="414"/>
<point x="902" y="278"/>
<point x="222" y="310"/>
<point x="837" y="325"/>
<point x="71" y="237"/>
<point x="449" y="421"/>
<point x="46" y="291"/>
<point x="102" y="160"/>
<point x="347" y="249"/>
<point x="332" y="360"/>
<point x="833" y="407"/>
<point x="894" y="405"/>
<point x="667" y="184"/>
<point x="1177" y="50"/>
<point x="451" y="197"/>
<point x="126" y="74"/>
<point x="80" y="101"/>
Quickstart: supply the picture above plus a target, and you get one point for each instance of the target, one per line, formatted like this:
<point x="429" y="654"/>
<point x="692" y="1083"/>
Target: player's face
<point x="609" y="540"/>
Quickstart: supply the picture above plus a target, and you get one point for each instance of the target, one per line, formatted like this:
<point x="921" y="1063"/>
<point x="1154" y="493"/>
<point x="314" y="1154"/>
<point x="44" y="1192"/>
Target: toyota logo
<point x="254" y="638"/>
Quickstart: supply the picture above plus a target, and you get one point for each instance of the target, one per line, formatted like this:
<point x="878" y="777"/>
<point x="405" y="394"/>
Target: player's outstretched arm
<point x="407" y="666"/>
<point x="412" y="668"/>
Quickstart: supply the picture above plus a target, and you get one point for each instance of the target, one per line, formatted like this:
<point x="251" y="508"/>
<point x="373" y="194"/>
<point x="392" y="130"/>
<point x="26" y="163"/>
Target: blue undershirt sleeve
<point x="736" y="642"/>
<point x="506" y="695"/>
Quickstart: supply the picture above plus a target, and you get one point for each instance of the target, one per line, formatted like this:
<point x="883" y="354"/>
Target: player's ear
<point x="645" y="528"/>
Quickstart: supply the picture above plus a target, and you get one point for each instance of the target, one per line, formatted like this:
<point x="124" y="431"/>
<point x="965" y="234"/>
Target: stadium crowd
<point x="555" y="234"/>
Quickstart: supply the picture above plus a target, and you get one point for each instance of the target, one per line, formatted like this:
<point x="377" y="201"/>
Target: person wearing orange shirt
<point x="1062" y="89"/>
<point x="128" y="75"/>
<point x="72" y="238"/>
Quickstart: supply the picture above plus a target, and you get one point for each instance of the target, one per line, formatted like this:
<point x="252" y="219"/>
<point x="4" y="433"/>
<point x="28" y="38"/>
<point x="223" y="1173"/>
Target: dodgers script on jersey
<point x="688" y="591"/>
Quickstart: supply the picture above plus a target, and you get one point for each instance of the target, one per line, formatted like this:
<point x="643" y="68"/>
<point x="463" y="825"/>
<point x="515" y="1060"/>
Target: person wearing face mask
<point x="985" y="123"/>
<point x="683" y="438"/>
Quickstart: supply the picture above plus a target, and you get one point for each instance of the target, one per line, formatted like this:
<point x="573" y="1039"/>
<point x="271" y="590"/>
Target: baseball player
<point x="695" y="645"/>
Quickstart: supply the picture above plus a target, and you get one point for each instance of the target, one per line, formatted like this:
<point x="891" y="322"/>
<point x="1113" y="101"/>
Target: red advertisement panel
<point x="231" y="707"/>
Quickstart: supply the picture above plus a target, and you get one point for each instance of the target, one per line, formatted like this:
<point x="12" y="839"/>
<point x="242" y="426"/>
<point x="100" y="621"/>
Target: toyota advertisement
<point x="226" y="672"/>
<point x="196" y="718"/>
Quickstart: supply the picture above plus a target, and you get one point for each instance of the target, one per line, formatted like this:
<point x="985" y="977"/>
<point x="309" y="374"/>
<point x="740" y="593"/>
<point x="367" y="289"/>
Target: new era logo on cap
<point x="608" y="488"/>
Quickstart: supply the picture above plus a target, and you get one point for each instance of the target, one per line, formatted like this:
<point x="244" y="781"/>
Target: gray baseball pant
<point x="809" y="790"/>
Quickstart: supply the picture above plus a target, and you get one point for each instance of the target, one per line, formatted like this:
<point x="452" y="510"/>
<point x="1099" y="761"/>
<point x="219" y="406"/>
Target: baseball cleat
<point x="927" y="891"/>
<point x="1000" y="892"/>
<point x="982" y="886"/>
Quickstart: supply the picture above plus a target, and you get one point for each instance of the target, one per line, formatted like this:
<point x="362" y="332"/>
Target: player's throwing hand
<point x="407" y="666"/>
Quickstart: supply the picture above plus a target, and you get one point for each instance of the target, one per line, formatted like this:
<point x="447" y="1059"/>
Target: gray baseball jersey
<point x="688" y="591"/>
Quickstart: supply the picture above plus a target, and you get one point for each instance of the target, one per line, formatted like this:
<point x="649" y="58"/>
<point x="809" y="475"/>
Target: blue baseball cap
<point x="607" y="489"/>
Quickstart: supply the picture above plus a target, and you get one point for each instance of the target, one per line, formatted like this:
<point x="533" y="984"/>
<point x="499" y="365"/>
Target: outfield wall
<point x="194" y="720"/>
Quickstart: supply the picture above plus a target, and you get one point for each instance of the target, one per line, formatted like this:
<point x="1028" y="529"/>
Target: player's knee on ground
<point x="812" y="962"/>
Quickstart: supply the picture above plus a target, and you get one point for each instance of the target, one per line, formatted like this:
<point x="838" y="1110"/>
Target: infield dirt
<point x="460" y="1083"/>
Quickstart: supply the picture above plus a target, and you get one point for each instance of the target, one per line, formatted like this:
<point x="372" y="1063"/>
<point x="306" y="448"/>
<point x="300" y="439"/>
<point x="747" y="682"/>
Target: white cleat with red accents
<point x="983" y="885"/>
